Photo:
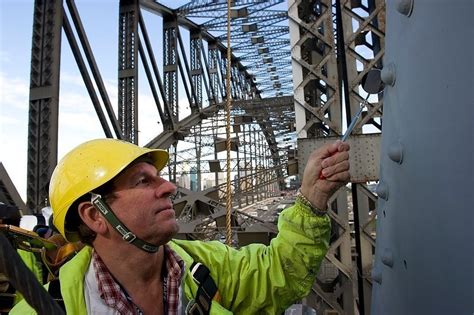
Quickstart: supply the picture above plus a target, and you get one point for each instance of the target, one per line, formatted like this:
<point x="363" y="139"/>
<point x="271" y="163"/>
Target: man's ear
<point x="92" y="218"/>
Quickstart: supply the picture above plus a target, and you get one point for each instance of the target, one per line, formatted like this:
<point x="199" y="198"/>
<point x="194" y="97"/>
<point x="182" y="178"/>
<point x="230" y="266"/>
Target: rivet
<point x="387" y="257"/>
<point x="405" y="7"/>
<point x="389" y="74"/>
<point x="395" y="152"/>
<point x="382" y="190"/>
<point x="377" y="276"/>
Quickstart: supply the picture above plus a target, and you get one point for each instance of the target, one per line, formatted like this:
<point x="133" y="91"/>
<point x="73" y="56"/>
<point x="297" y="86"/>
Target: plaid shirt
<point x="115" y="296"/>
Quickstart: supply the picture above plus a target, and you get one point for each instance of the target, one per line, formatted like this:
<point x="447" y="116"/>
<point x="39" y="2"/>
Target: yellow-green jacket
<point x="32" y="262"/>
<point x="255" y="279"/>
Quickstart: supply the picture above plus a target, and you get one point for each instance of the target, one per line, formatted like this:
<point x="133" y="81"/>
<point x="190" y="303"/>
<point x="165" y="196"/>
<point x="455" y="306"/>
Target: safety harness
<point x="54" y="290"/>
<point x="200" y="305"/>
<point x="206" y="292"/>
<point x="207" y="289"/>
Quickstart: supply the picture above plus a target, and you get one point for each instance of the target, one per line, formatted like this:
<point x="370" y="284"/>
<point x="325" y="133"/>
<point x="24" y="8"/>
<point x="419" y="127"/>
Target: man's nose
<point x="166" y="189"/>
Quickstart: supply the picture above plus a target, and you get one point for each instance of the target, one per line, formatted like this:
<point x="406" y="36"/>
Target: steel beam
<point x="43" y="101"/>
<point x="8" y="193"/>
<point x="81" y="33"/>
<point x="128" y="69"/>
<point x="331" y="53"/>
<point x="170" y="64"/>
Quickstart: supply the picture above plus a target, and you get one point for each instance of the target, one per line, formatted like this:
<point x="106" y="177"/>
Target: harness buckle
<point x="129" y="237"/>
<point x="194" y="270"/>
<point x="194" y="308"/>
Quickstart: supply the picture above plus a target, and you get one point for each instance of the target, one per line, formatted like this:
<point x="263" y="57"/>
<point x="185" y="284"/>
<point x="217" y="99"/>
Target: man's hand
<point x="333" y="161"/>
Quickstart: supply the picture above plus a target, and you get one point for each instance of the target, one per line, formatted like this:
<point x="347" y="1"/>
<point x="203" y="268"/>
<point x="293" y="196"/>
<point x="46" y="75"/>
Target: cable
<point x="228" y="106"/>
<point x="23" y="280"/>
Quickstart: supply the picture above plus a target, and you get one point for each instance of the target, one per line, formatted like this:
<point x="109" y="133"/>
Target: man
<point x="109" y="194"/>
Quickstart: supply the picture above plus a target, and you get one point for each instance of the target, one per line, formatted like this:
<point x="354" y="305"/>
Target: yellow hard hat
<point x="89" y="166"/>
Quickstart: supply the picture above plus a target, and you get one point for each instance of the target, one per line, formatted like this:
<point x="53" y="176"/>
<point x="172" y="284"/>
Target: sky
<point x="78" y="121"/>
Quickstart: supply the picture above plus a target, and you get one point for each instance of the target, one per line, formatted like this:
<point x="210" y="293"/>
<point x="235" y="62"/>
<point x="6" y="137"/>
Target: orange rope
<point x="228" y="207"/>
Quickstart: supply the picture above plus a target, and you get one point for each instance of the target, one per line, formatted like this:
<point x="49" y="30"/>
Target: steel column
<point x="196" y="68"/>
<point x="170" y="63"/>
<point x="333" y="46"/>
<point x="43" y="101"/>
<point x="214" y="81"/>
<point x="128" y="69"/>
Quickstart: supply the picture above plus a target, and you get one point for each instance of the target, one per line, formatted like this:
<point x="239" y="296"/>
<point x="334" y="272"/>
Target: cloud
<point x="14" y="96"/>
<point x="72" y="79"/>
<point x="150" y="124"/>
<point x="78" y="121"/>
<point x="5" y="121"/>
<point x="13" y="157"/>
<point x="149" y="121"/>
<point x="14" y="92"/>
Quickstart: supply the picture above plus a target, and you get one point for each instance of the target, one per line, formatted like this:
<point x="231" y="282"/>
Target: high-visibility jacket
<point x="34" y="264"/>
<point x="255" y="279"/>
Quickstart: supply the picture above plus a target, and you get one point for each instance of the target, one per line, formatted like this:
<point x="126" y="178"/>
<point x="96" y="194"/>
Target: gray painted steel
<point x="424" y="252"/>
<point x="43" y="101"/>
<point x="9" y="194"/>
<point x="364" y="157"/>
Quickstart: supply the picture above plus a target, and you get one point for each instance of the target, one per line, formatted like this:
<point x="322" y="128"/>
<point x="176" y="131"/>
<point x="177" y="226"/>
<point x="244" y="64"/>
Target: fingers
<point x="330" y="159"/>
<point x="342" y="146"/>
<point x="338" y="145"/>
<point x="342" y="177"/>
<point x="333" y="148"/>
<point x="337" y="162"/>
<point x="340" y="167"/>
<point x="330" y="149"/>
<point x="326" y="171"/>
<point x="335" y="158"/>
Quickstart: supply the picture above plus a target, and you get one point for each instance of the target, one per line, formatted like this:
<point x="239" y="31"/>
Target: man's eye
<point x="142" y="181"/>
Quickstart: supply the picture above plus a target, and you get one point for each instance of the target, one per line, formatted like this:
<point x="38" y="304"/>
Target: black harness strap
<point x="7" y="296"/>
<point x="54" y="289"/>
<point x="206" y="291"/>
<point x="41" y="220"/>
<point x="201" y="305"/>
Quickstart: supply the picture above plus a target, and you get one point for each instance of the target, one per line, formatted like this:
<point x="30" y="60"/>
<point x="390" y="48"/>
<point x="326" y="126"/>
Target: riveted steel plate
<point x="364" y="155"/>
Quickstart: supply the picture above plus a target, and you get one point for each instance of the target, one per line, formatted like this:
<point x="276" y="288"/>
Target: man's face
<point x="142" y="202"/>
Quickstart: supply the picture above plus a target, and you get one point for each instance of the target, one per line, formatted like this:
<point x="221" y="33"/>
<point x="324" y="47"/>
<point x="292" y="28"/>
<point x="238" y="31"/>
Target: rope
<point x="228" y="104"/>
<point x="24" y="281"/>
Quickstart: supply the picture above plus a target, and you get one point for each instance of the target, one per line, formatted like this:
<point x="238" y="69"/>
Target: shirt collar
<point x="114" y="296"/>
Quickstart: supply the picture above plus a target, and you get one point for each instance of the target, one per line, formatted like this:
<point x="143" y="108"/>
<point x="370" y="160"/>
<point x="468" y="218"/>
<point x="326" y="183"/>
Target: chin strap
<point x="127" y="236"/>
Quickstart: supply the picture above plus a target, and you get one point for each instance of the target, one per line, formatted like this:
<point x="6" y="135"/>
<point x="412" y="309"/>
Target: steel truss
<point x="329" y="58"/>
<point x="44" y="100"/>
<point x="334" y="43"/>
<point x="197" y="68"/>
